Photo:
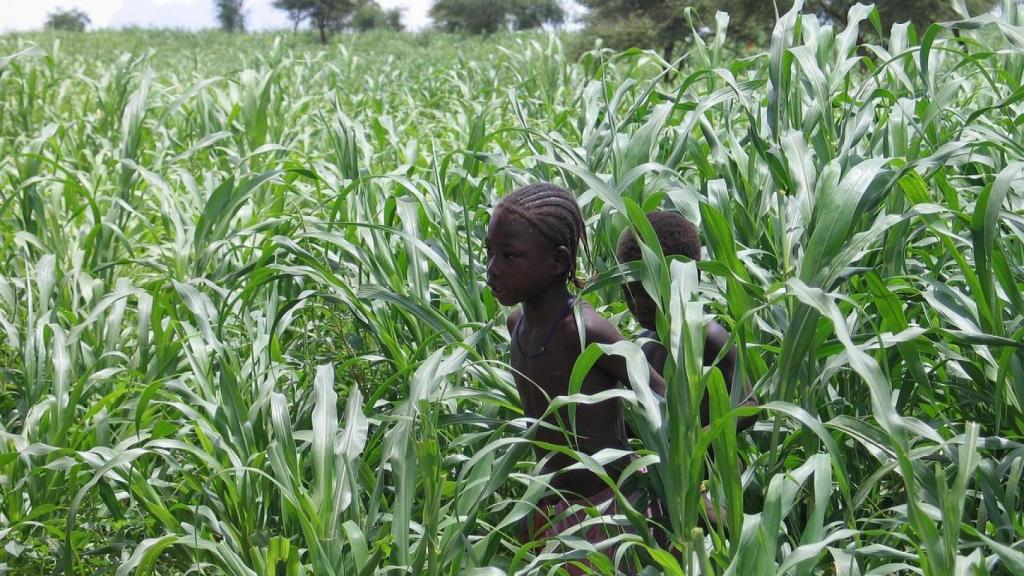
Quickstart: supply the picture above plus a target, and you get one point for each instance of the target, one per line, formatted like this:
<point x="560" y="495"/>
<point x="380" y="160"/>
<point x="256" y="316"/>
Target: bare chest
<point x="543" y="366"/>
<point x="543" y="373"/>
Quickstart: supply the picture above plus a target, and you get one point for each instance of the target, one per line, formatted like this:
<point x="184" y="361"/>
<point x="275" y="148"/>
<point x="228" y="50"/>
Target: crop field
<point x="244" y="327"/>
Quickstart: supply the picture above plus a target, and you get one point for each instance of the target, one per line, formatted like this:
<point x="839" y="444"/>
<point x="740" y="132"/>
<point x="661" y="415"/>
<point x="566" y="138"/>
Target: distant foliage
<point x="527" y="14"/>
<point x="327" y="16"/>
<point x="661" y="24"/>
<point x="73" y="20"/>
<point x="323" y="15"/>
<point x="370" y="16"/>
<point x="296" y="10"/>
<point x="919" y="12"/>
<point x="489" y="16"/>
<point x="230" y="15"/>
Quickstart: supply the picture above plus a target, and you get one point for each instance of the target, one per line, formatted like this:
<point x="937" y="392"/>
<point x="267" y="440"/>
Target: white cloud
<point x="190" y="14"/>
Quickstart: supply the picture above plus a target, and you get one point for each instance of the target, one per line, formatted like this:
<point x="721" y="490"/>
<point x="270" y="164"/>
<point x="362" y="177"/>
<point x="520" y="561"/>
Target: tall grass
<point x="245" y="332"/>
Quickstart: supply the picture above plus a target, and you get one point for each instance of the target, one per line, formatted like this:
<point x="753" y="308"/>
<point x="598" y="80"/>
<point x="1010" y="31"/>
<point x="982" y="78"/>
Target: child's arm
<point x="601" y="331"/>
<point x="717" y="340"/>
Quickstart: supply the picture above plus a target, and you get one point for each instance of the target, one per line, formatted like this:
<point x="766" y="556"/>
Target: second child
<point x="678" y="236"/>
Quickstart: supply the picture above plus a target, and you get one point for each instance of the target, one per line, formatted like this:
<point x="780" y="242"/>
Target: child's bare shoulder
<point x="598" y="328"/>
<point x="513" y="318"/>
<point x="716" y="337"/>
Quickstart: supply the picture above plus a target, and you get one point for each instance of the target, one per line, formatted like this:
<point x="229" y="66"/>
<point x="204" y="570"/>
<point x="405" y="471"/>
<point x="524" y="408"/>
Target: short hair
<point x="675" y="233"/>
<point x="554" y="213"/>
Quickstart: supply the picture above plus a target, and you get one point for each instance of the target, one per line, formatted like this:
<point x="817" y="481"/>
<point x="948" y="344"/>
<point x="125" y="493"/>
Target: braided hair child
<point x="532" y="243"/>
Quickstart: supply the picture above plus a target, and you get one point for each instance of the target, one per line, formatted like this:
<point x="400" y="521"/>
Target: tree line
<point x="327" y="16"/>
<point x="658" y="24"/>
<point x="622" y="23"/>
<point x="469" y="16"/>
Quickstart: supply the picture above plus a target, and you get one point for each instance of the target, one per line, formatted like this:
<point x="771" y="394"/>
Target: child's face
<point x="640" y="304"/>
<point x="520" y="263"/>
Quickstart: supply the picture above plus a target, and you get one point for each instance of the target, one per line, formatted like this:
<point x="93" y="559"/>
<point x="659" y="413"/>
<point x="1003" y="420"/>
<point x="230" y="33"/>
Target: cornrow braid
<point x="554" y="213"/>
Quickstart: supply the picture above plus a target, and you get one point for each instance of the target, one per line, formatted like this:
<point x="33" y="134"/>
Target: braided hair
<point x="554" y="213"/>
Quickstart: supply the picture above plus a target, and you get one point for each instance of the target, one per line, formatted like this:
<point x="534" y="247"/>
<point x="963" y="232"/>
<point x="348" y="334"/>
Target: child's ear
<point x="562" y="260"/>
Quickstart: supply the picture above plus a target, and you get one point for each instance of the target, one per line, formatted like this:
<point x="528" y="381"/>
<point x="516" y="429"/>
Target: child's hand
<point x="527" y="528"/>
<point x="523" y="530"/>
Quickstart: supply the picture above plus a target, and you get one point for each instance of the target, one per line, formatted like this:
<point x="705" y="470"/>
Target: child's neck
<point x="548" y="307"/>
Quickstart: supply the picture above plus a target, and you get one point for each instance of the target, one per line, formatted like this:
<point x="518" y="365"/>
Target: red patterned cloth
<point x="565" y="515"/>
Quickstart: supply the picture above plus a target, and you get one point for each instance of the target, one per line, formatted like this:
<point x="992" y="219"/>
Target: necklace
<point x="547" y="337"/>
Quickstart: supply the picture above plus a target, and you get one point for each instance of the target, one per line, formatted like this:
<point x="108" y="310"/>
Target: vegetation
<point x="73" y="20"/>
<point x="327" y="16"/>
<point x="370" y="16"/>
<point x="230" y="15"/>
<point x="489" y="16"/>
<point x="920" y="12"/>
<point x="661" y="24"/>
<point x="244" y="330"/>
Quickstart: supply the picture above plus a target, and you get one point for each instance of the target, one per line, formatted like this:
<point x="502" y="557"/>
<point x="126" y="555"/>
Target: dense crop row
<point x="243" y="328"/>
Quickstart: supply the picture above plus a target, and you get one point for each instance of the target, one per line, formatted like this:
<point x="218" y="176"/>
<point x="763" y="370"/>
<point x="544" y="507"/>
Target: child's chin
<point x="504" y="299"/>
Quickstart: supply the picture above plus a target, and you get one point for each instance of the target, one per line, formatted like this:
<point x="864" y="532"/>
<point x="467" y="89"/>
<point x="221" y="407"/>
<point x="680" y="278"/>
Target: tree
<point x="527" y="14"/>
<point x="489" y="16"/>
<point x="371" y="16"/>
<point x="296" y="9"/>
<point x="230" y="15"/>
<point x="473" y="16"/>
<point x="328" y="16"/>
<point x="643" y="23"/>
<point x="393" y="19"/>
<point x="73" y="20"/>
<point x="324" y="15"/>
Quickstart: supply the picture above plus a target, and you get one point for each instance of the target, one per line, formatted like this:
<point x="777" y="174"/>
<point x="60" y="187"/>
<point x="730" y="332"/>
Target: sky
<point x="191" y="14"/>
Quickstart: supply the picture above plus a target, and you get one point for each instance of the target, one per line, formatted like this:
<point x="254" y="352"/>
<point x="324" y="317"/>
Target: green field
<point x="244" y="328"/>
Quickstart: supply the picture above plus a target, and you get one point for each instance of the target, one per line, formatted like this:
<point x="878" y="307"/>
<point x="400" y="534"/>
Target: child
<point x="532" y="244"/>
<point x="677" y="236"/>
